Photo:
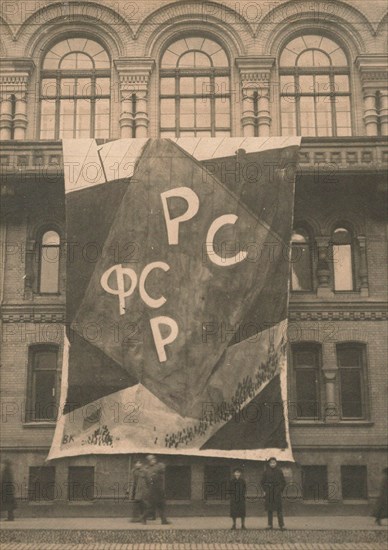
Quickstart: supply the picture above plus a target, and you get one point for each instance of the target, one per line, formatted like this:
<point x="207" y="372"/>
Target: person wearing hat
<point x="273" y="484"/>
<point x="237" y="492"/>
<point x="381" y="509"/>
<point x="8" y="501"/>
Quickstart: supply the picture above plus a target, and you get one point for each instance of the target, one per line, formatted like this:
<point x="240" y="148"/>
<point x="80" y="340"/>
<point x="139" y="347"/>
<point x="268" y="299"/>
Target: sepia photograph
<point x="193" y="275"/>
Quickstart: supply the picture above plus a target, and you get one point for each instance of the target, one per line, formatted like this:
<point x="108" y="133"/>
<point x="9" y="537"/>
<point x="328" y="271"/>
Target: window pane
<point x="288" y="58"/>
<point x="324" y="121"/>
<point x="354" y="482"/>
<point x="288" y="116"/>
<point x="49" y="269"/>
<point x="169" y="59"/>
<point x="66" y="111"/>
<point x="47" y="121"/>
<point x="101" y="61"/>
<point x="167" y="86"/>
<point x="83" y="118"/>
<point x="314" y="483"/>
<point x="187" y="60"/>
<point x="351" y="393"/>
<point x="341" y="83"/>
<point x="306" y="393"/>
<point x="187" y="113"/>
<point x="186" y="85"/>
<point x="301" y="267"/>
<point x="84" y="87"/>
<point x="178" y="482"/>
<point x="49" y="87"/>
<point x="320" y="59"/>
<point x="202" y="60"/>
<point x="342" y="263"/>
<point x="50" y="238"/>
<point x="84" y="61"/>
<point x="349" y="357"/>
<point x="81" y="483"/>
<point x="167" y="110"/>
<point x="203" y="113"/>
<point x="102" y="118"/>
<point x="219" y="59"/>
<point x="69" y="62"/>
<point x="338" y="58"/>
<point x="222" y="111"/>
<point x="44" y="399"/>
<point x="67" y="87"/>
<point x="41" y="483"/>
<point x="307" y="116"/>
<point x="202" y="85"/>
<point x="306" y="84"/>
<point x="306" y="59"/>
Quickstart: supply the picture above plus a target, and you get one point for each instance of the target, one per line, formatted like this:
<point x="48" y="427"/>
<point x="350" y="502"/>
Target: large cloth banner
<point x="178" y="257"/>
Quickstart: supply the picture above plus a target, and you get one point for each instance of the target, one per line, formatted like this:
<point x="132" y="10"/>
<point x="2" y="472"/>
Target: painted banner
<point x="177" y="295"/>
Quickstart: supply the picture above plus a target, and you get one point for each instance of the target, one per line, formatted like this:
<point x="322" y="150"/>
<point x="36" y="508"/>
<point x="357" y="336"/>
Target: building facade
<point x="188" y="68"/>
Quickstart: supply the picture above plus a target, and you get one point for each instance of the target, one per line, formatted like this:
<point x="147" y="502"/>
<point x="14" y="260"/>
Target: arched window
<point x="194" y="89"/>
<point x="314" y="88"/>
<point x="301" y="268"/>
<point x="342" y="259"/>
<point x="49" y="263"/>
<point x="75" y="91"/>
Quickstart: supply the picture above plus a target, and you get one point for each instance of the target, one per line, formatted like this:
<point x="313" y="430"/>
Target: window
<point x="75" y="91"/>
<point x="216" y="482"/>
<point x="342" y="259"/>
<point x="351" y="359"/>
<point x="81" y="483"/>
<point x="306" y="366"/>
<point x="49" y="263"/>
<point x="354" y="483"/>
<point x="194" y="89"/>
<point x="41" y="483"/>
<point x="314" y="483"/>
<point x="41" y="402"/>
<point x="314" y="88"/>
<point x="178" y="482"/>
<point x="301" y="269"/>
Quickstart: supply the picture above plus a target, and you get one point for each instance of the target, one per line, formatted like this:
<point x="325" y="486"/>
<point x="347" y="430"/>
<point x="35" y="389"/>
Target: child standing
<point x="237" y="491"/>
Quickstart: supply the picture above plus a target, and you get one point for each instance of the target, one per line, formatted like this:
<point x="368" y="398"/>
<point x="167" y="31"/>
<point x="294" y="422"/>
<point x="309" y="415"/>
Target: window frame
<point x="192" y="72"/>
<point x="316" y="347"/>
<point x="63" y="74"/>
<point x="30" y="412"/>
<point x="330" y="71"/>
<point x="352" y="256"/>
<point x="302" y="230"/>
<point x="362" y="349"/>
<point x="41" y="247"/>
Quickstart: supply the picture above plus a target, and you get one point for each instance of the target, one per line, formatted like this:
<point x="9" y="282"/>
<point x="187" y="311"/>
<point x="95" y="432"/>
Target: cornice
<point x="33" y="313"/>
<point x="360" y="311"/>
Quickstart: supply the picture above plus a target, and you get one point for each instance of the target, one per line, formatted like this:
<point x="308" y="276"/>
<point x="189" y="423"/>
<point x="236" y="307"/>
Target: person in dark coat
<point x="237" y="492"/>
<point x="273" y="483"/>
<point x="8" y="501"/>
<point x="381" y="509"/>
<point x="139" y="492"/>
<point x="155" y="481"/>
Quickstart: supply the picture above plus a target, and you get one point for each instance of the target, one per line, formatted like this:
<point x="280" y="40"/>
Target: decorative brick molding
<point x="339" y="315"/>
<point x="42" y="313"/>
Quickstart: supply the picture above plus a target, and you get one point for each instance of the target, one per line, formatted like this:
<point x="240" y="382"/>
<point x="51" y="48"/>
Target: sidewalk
<point x="314" y="523"/>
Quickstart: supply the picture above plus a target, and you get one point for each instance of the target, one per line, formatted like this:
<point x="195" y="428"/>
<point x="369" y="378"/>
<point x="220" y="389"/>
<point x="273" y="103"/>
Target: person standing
<point x="273" y="484"/>
<point x="8" y="501"/>
<point x="155" y="479"/>
<point x="139" y="492"/>
<point x="381" y="510"/>
<point x="237" y="492"/>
